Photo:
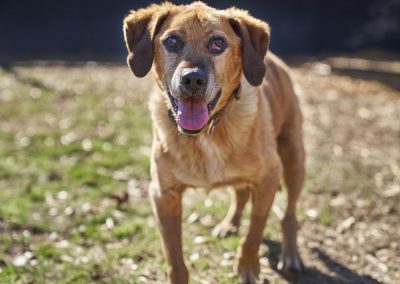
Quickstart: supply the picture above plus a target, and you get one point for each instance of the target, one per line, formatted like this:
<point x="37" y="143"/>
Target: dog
<point x="224" y="113"/>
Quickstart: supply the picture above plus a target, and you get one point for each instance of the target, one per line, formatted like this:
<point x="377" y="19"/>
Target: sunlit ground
<point x="74" y="148"/>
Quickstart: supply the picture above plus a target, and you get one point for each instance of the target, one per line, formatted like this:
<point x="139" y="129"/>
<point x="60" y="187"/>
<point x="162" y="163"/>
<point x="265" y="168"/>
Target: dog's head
<point x="198" y="55"/>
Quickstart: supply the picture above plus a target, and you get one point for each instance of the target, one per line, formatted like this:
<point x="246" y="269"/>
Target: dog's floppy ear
<point x="140" y="28"/>
<point x="254" y="36"/>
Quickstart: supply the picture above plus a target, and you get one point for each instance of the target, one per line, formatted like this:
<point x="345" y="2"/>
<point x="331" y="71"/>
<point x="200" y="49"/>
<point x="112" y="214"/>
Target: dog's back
<point x="278" y="87"/>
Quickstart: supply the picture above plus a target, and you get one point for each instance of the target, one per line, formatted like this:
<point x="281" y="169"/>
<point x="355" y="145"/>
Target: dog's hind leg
<point x="291" y="151"/>
<point x="230" y="224"/>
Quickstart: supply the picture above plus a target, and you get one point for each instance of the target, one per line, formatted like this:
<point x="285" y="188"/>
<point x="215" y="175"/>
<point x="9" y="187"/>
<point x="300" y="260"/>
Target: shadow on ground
<point x="340" y="273"/>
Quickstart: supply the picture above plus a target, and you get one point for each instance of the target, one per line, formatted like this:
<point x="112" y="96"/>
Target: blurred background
<point x="75" y="144"/>
<point x="91" y="29"/>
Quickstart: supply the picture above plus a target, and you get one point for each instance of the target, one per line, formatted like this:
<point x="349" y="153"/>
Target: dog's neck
<point x="239" y="116"/>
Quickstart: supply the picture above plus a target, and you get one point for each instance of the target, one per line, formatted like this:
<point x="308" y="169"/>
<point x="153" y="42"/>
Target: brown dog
<point x="204" y="60"/>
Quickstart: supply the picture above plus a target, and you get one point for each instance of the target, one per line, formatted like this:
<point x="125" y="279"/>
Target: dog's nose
<point x="194" y="80"/>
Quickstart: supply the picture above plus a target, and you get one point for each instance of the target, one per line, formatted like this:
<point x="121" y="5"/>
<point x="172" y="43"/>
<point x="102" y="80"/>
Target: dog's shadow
<point x="311" y="275"/>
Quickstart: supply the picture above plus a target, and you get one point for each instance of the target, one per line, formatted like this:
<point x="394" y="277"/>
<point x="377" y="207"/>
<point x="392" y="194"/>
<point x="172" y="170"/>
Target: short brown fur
<point x="256" y="141"/>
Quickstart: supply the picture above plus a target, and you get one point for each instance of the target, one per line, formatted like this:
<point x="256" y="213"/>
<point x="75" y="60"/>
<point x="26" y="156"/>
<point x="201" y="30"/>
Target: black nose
<point x="194" y="80"/>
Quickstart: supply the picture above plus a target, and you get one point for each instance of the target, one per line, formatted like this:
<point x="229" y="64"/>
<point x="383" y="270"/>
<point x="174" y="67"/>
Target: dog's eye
<point x="217" y="45"/>
<point x="173" y="43"/>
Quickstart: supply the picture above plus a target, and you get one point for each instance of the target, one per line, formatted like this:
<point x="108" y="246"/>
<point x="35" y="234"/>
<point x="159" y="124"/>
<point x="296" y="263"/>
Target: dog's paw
<point x="248" y="269"/>
<point x="225" y="229"/>
<point x="247" y="277"/>
<point x="180" y="276"/>
<point x="291" y="265"/>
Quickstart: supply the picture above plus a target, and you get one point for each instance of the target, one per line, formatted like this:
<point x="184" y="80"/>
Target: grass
<point x="65" y="155"/>
<point x="73" y="140"/>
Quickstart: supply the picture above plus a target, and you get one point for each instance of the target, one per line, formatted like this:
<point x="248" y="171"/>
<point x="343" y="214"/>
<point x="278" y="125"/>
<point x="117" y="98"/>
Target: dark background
<point x="92" y="29"/>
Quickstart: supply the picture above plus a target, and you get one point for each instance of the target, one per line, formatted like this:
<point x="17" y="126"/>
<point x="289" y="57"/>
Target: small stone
<point x="264" y="261"/>
<point x="208" y="202"/>
<point x="19" y="261"/>
<point x="28" y="254"/>
<point x="199" y="240"/>
<point x="194" y="256"/>
<point x="312" y="213"/>
<point x="226" y="262"/>
<point x="194" y="217"/>
<point x="62" y="244"/>
<point x="69" y="211"/>
<point x="62" y="195"/>
<point x="87" y="145"/>
<point x="228" y="255"/>
<point x="109" y="223"/>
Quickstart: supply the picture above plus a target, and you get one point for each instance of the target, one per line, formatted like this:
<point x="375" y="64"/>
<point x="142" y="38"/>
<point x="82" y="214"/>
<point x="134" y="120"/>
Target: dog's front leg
<point x="167" y="207"/>
<point x="262" y="197"/>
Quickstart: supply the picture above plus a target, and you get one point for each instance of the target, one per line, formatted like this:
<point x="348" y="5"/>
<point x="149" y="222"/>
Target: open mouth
<point x="192" y="114"/>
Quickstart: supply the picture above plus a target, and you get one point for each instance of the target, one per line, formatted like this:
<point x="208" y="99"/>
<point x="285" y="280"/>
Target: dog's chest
<point x="217" y="166"/>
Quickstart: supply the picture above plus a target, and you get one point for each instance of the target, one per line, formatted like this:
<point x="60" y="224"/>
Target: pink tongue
<point x="192" y="114"/>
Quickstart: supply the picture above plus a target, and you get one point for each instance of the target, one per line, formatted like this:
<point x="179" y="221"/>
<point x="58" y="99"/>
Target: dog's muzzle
<point x="191" y="114"/>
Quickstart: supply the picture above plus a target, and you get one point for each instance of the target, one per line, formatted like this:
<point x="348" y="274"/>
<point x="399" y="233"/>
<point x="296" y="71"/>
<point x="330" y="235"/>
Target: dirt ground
<point x="352" y="136"/>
